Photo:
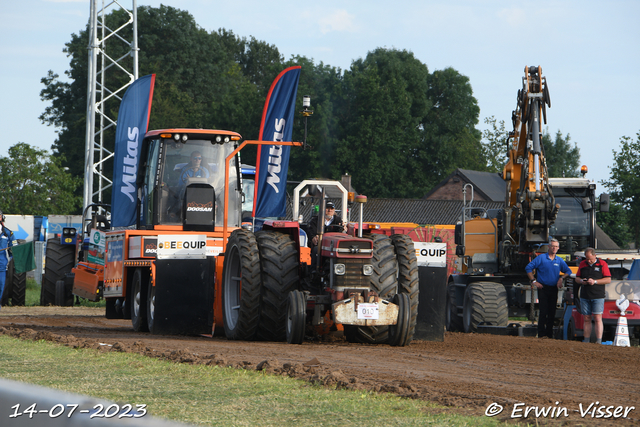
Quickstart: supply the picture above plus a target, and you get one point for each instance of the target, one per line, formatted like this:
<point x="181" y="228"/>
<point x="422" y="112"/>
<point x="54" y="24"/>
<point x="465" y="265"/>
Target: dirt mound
<point x="469" y="373"/>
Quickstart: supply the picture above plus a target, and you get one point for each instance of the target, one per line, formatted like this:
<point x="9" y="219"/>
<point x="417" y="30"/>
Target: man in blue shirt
<point x="549" y="279"/>
<point x="6" y="242"/>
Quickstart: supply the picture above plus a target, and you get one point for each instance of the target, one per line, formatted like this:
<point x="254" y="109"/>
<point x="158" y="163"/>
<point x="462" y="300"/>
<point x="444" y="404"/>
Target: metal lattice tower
<point x="98" y="120"/>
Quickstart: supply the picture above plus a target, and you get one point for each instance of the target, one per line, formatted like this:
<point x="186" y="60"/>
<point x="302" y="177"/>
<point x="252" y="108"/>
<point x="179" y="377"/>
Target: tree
<point x="451" y="139"/>
<point x="624" y="183"/>
<point x="35" y="183"/>
<point x="495" y="144"/>
<point x="381" y="109"/>
<point x="563" y="158"/>
<point x="615" y="224"/>
<point x="203" y="80"/>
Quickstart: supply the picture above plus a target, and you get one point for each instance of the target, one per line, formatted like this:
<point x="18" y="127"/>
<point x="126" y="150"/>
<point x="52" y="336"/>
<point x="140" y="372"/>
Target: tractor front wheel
<point x="401" y="333"/>
<point x="296" y="317"/>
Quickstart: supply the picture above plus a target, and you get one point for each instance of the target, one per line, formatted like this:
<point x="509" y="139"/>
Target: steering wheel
<point x="334" y="228"/>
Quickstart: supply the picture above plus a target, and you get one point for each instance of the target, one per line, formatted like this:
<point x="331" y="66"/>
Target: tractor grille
<point x="353" y="276"/>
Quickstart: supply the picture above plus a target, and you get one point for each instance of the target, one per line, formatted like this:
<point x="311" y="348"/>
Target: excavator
<point x="494" y="247"/>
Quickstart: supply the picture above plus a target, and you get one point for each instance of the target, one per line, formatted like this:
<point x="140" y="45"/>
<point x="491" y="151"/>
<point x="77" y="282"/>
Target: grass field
<point x="211" y="395"/>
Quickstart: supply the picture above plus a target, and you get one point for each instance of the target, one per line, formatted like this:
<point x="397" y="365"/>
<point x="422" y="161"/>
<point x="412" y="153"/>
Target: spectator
<point x="549" y="279"/>
<point x="593" y="274"/>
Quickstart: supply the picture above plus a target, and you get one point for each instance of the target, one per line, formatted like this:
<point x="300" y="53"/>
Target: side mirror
<point x="459" y="250"/>
<point x="604" y="202"/>
<point x="586" y="204"/>
<point x="457" y="234"/>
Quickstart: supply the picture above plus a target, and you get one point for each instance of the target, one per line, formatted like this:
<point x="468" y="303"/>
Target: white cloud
<point x="514" y="17"/>
<point x="340" y="20"/>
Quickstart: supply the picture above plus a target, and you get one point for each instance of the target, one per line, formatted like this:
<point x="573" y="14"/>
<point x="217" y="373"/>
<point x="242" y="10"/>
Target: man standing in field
<point x="549" y="279"/>
<point x="593" y="274"/>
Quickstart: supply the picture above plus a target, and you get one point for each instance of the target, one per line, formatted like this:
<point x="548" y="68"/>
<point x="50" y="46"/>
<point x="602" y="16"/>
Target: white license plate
<point x="367" y="311"/>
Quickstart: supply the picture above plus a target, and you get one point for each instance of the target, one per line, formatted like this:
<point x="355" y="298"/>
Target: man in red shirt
<point x="592" y="275"/>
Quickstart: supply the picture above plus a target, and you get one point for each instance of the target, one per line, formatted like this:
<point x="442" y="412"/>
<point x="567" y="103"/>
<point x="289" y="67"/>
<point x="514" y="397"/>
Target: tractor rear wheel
<point x="18" y="288"/>
<point x="485" y="302"/>
<point x="241" y="286"/>
<point x="384" y="281"/>
<point x="408" y="279"/>
<point x="400" y="334"/>
<point x="139" y="301"/>
<point x="279" y="260"/>
<point x="59" y="261"/>
<point x="296" y="317"/>
<point x="453" y="321"/>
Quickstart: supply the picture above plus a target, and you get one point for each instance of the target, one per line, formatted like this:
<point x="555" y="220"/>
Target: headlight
<point x="367" y="269"/>
<point x="339" y="269"/>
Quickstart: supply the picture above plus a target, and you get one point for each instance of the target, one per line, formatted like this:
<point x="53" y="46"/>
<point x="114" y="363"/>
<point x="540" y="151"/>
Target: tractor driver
<point x="330" y="218"/>
<point x="193" y="169"/>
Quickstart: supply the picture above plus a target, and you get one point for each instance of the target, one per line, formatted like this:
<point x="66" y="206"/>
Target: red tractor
<point x="369" y="283"/>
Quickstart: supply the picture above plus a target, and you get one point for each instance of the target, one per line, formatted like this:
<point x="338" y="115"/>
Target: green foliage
<point x="396" y="128"/>
<point x="563" y="158"/>
<point x="495" y="144"/>
<point x="624" y="183"/>
<point x="615" y="224"/>
<point x="35" y="183"/>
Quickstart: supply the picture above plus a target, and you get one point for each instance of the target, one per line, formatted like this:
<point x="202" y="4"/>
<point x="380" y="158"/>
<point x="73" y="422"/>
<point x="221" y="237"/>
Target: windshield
<point x="196" y="162"/>
<point x="572" y="226"/>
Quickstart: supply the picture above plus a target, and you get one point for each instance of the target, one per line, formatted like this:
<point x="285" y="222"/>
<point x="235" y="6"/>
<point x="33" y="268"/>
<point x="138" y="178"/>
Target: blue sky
<point x="589" y="51"/>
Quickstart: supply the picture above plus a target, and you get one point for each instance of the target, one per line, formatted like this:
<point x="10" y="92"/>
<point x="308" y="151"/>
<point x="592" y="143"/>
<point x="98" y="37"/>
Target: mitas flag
<point x="273" y="160"/>
<point x="133" y="120"/>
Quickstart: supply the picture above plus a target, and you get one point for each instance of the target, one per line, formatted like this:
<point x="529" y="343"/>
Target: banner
<point x="133" y="120"/>
<point x="273" y="160"/>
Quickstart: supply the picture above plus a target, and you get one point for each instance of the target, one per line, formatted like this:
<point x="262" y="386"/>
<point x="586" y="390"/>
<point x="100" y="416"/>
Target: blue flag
<point x="273" y="160"/>
<point x="133" y="120"/>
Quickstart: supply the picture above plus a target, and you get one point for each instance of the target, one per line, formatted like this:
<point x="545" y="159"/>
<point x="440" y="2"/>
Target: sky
<point x="589" y="52"/>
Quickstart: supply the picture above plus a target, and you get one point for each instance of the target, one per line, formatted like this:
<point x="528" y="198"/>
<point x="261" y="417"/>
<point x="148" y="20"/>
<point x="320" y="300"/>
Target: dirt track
<point x="466" y="372"/>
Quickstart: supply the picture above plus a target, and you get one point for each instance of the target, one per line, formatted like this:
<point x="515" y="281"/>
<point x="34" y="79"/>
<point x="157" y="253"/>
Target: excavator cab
<point x="182" y="180"/>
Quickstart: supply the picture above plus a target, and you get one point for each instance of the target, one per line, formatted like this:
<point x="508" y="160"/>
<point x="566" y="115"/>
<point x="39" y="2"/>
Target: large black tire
<point x="241" y="284"/>
<point x="139" y="301"/>
<point x="151" y="307"/>
<point x="18" y="289"/>
<point x="296" y="317"/>
<point x="408" y="279"/>
<point x="453" y="320"/>
<point x="59" y="261"/>
<point x="485" y="302"/>
<point x="64" y="295"/>
<point x="279" y="260"/>
<point x="384" y="281"/>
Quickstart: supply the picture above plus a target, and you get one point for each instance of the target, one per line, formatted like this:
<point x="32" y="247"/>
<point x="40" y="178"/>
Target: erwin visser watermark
<point x="590" y="410"/>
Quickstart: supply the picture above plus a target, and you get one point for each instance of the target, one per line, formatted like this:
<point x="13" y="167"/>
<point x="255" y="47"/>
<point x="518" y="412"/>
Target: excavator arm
<point x="530" y="205"/>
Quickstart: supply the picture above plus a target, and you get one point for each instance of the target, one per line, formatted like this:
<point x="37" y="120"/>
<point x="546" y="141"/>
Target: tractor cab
<point x="182" y="180"/>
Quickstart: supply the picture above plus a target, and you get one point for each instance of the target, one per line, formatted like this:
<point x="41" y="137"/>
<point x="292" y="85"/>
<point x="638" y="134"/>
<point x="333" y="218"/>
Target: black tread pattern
<point x="408" y="279"/>
<point x="384" y="281"/>
<point x="279" y="260"/>
<point x="454" y="321"/>
<point x="242" y="247"/>
<point x="59" y="261"/>
<point x="19" y="288"/>
<point x="485" y="302"/>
